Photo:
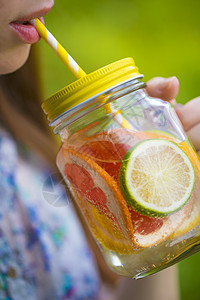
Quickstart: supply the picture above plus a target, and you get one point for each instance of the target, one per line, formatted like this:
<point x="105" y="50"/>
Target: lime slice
<point x="156" y="177"/>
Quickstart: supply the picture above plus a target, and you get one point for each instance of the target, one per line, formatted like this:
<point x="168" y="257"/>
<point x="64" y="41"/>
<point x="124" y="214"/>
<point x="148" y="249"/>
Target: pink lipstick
<point x="25" y="31"/>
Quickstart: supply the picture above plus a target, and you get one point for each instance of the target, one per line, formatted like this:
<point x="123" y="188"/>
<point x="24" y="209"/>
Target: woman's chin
<point x="14" y="59"/>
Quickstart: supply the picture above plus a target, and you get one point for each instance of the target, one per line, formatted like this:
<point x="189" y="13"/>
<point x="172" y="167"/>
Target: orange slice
<point x="103" y="229"/>
<point x="188" y="149"/>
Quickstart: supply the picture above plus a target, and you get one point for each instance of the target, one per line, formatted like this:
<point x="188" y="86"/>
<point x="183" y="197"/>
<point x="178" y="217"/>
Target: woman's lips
<point x="25" y="32"/>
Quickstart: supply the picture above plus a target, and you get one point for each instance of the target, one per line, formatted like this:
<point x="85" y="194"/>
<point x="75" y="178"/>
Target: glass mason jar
<point x="130" y="167"/>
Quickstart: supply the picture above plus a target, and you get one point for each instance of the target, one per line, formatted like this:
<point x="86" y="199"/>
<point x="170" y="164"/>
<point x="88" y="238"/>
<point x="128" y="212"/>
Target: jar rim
<point x="89" y="86"/>
<point x="96" y="102"/>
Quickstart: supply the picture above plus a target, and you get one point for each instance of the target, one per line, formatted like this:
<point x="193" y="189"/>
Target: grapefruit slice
<point x="109" y="147"/>
<point x="149" y="232"/>
<point x="100" y="200"/>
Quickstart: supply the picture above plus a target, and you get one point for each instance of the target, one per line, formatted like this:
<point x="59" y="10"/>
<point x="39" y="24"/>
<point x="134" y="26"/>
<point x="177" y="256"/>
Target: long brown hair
<point x="20" y="109"/>
<point x="22" y="116"/>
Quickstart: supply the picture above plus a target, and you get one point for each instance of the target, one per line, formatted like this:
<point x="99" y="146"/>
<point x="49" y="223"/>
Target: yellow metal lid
<point x="89" y="86"/>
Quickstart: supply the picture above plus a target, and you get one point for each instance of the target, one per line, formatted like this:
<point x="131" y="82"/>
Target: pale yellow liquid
<point x="141" y="262"/>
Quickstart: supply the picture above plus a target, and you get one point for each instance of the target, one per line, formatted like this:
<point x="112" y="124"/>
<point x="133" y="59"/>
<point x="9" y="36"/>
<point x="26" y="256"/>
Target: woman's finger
<point x="193" y="134"/>
<point x="163" y="88"/>
<point x="189" y="114"/>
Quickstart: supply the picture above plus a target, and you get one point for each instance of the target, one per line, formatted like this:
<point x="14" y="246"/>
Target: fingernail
<point x="167" y="83"/>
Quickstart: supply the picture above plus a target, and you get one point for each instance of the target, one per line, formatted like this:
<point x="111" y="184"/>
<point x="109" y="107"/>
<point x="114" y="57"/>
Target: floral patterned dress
<point x="43" y="252"/>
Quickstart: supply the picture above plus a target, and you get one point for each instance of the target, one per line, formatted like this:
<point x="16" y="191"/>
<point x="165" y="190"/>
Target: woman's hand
<point x="189" y="114"/>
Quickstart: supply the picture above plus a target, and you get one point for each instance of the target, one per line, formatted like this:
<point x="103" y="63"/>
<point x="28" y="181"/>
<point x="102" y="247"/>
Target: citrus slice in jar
<point x="150" y="231"/>
<point x="187" y="147"/>
<point x="156" y="177"/>
<point x="103" y="229"/>
<point x="193" y="218"/>
<point x="100" y="201"/>
<point x="109" y="147"/>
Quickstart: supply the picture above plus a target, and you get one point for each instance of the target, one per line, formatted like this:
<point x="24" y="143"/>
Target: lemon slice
<point x="156" y="177"/>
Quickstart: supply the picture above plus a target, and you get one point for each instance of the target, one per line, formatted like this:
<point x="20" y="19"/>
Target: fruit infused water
<point x="130" y="167"/>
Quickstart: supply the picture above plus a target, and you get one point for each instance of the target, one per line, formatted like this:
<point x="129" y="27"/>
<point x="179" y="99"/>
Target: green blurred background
<point x="162" y="36"/>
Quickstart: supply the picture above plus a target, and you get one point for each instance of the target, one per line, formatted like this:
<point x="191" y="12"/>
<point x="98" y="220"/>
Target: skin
<point x="13" y="52"/>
